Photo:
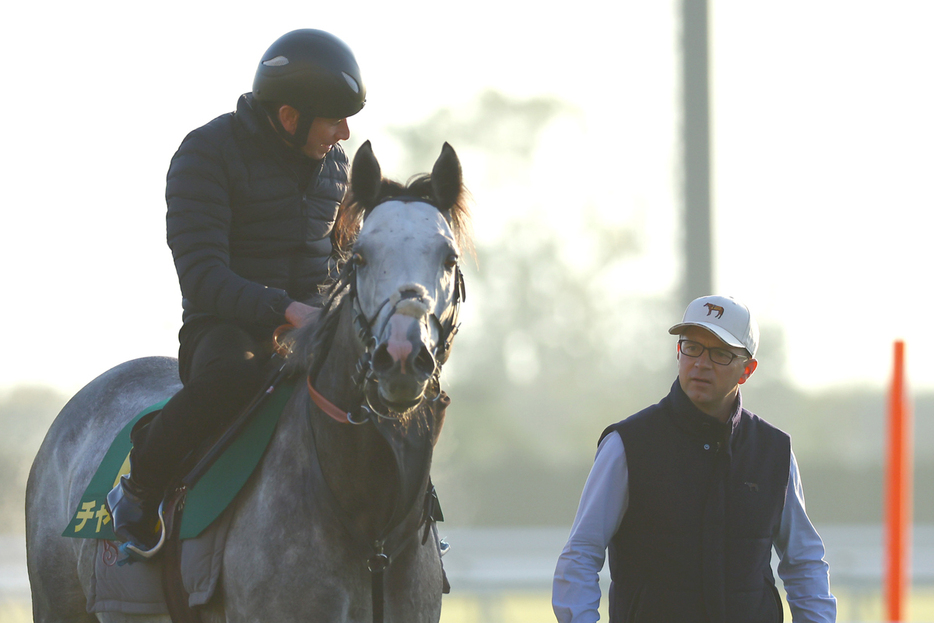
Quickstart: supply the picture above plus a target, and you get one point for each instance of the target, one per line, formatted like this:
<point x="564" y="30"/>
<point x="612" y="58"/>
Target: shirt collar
<point x="692" y="420"/>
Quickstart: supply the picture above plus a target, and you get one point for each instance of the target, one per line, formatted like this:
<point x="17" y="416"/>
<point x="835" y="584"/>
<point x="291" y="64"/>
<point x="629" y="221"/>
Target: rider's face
<point x="324" y="134"/>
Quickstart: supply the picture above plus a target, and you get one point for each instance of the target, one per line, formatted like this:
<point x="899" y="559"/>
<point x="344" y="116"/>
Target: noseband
<point x="365" y="376"/>
<point x="371" y="408"/>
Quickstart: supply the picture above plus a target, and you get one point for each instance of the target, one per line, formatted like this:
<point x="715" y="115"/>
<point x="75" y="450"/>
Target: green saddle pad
<point x="207" y="499"/>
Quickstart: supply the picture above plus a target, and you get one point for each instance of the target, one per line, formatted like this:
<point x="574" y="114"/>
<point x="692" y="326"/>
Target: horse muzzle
<point x="403" y="361"/>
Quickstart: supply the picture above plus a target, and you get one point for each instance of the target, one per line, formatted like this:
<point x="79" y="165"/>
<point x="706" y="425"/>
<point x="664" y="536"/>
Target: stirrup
<point x="134" y="552"/>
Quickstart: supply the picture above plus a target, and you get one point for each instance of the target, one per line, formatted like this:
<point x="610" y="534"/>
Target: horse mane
<point x="304" y="342"/>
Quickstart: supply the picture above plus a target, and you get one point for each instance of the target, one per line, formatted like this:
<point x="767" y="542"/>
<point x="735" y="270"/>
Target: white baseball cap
<point x="725" y="317"/>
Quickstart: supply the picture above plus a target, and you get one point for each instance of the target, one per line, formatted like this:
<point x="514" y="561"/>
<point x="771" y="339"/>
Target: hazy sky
<point x="822" y="137"/>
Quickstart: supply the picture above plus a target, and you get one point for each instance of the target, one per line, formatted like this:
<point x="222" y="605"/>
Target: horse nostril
<point x="425" y="362"/>
<point x="421" y="364"/>
<point x="382" y="360"/>
<point x="414" y="296"/>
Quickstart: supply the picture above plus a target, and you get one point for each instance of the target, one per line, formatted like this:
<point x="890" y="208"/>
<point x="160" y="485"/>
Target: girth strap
<point x="377" y="565"/>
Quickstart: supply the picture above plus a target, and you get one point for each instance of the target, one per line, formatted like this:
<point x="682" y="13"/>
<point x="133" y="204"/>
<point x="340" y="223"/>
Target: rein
<point x="367" y="411"/>
<point x="343" y="417"/>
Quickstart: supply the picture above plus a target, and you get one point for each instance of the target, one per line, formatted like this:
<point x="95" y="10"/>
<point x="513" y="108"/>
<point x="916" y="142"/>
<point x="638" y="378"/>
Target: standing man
<point x="252" y="197"/>
<point x="690" y="496"/>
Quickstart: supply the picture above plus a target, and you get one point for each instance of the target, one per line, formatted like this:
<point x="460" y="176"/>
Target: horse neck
<point x="375" y="471"/>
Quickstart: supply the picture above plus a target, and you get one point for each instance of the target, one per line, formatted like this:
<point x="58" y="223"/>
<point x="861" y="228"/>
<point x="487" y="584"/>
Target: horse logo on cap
<point x="711" y="308"/>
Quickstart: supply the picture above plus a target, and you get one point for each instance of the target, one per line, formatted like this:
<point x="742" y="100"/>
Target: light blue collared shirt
<point x="576" y="588"/>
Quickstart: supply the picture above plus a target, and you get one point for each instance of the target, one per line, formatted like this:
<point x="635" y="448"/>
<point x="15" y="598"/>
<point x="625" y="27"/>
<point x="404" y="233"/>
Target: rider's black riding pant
<point x="222" y="367"/>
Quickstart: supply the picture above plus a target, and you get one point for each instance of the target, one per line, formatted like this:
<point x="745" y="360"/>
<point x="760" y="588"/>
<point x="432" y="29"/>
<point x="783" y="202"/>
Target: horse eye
<point x="357" y="259"/>
<point x="450" y="262"/>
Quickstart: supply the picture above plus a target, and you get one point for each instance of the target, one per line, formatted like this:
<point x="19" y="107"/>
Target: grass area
<point x="519" y="608"/>
<point x="853" y="606"/>
<point x="15" y="612"/>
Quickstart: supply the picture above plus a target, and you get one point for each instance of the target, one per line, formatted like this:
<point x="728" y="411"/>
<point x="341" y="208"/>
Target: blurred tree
<point x="555" y="347"/>
<point x="502" y="127"/>
<point x="25" y="415"/>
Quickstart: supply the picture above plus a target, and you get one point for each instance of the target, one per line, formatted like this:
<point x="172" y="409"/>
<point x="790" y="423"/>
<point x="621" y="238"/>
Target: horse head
<point x="407" y="281"/>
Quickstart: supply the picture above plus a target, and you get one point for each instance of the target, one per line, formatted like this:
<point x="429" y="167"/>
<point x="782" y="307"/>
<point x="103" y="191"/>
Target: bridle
<point x="364" y="378"/>
<point x="370" y="409"/>
<point x="365" y="382"/>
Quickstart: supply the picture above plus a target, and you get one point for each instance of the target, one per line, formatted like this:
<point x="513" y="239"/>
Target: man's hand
<point x="298" y="314"/>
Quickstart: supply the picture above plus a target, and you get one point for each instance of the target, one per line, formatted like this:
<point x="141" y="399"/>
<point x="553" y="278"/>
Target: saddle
<point x="192" y="539"/>
<point x="210" y="487"/>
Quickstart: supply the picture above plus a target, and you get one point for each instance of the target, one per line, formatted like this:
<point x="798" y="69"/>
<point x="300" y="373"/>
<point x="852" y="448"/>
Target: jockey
<point x="252" y="197"/>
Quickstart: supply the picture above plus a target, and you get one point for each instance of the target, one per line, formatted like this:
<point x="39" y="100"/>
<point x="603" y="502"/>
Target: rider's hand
<point x="298" y="314"/>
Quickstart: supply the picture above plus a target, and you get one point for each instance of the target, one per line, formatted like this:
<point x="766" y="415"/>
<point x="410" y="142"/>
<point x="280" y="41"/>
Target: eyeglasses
<point x="719" y="356"/>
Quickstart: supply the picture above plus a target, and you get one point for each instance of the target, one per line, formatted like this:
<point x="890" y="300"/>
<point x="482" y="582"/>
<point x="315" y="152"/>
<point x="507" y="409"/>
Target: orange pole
<point x="898" y="493"/>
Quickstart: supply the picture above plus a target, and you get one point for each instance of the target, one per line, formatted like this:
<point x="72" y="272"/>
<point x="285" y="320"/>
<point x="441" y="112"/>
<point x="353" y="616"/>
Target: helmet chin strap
<point x="301" y="132"/>
<point x="300" y="137"/>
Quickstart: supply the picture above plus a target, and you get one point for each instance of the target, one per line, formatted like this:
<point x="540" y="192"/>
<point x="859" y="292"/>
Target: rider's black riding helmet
<point x="314" y="72"/>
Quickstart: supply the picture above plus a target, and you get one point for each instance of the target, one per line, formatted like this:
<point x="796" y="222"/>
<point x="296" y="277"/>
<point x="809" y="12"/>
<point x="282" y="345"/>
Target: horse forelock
<point x="351" y="213"/>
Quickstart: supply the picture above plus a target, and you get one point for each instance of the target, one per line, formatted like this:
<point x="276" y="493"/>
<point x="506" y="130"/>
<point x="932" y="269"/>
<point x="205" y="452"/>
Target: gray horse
<point x="333" y="525"/>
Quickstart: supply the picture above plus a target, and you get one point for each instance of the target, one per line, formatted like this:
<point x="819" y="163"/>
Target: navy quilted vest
<point x="705" y="499"/>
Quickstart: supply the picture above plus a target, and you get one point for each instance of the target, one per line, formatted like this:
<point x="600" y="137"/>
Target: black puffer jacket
<point x="249" y="219"/>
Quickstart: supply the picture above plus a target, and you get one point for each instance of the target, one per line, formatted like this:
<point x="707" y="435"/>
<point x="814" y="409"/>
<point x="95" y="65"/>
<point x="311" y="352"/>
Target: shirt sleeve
<point x="576" y="587"/>
<point x="802" y="568"/>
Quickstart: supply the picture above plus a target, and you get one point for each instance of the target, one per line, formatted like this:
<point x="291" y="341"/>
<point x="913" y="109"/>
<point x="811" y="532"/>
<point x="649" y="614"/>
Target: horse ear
<point x="365" y="176"/>
<point x="446" y="178"/>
